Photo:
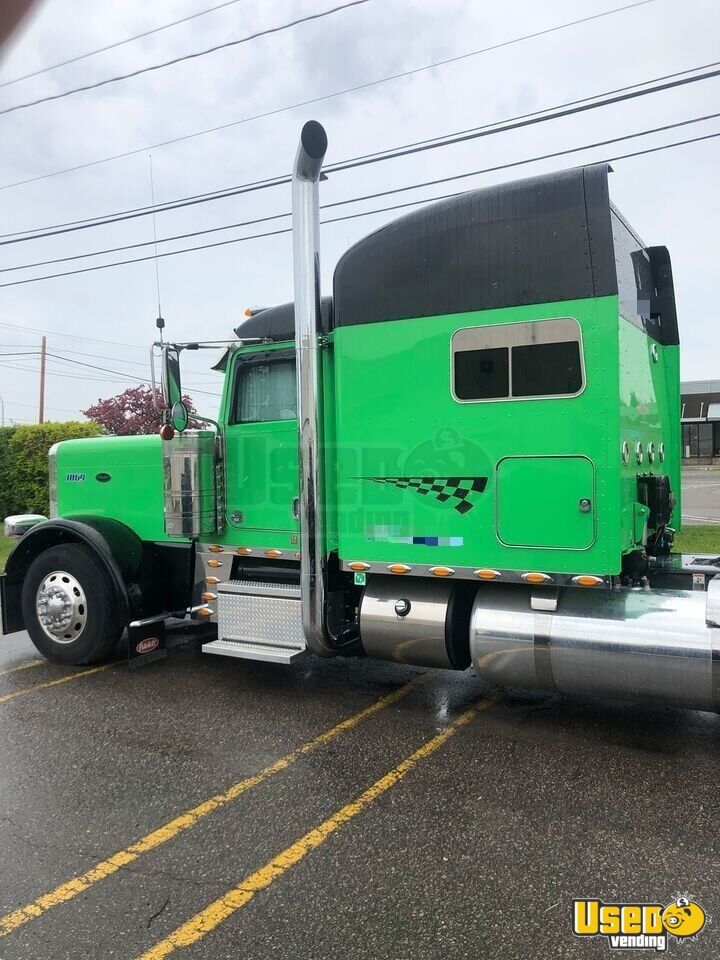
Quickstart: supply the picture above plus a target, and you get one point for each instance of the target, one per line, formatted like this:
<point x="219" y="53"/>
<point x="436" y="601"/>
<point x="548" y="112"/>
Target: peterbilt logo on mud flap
<point x="147" y="645"/>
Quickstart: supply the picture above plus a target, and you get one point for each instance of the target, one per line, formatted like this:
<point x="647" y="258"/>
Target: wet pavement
<point x="188" y="809"/>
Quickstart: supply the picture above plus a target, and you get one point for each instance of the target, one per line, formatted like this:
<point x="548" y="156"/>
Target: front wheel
<point x="70" y="608"/>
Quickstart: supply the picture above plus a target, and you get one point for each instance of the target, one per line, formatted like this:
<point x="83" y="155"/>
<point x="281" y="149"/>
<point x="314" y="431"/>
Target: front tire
<point x="70" y="608"/>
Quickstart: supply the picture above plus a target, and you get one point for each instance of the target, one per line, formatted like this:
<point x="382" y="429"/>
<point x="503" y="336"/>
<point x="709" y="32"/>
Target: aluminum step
<point x="259" y="621"/>
<point x="260" y="588"/>
<point x="253" y="651"/>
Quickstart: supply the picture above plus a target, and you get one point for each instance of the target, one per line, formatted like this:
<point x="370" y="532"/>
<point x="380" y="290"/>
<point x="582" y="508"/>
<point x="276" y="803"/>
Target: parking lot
<point x="207" y="808"/>
<point x="701" y="496"/>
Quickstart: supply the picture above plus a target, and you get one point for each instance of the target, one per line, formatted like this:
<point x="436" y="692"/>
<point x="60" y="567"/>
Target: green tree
<point x="24" y="463"/>
<point x="6" y="434"/>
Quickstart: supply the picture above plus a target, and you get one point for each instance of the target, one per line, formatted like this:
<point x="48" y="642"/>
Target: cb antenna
<point x="159" y="323"/>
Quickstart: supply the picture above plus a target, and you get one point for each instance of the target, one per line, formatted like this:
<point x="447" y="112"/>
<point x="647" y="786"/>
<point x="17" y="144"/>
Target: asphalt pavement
<point x="203" y="807"/>
<point x="701" y="496"/>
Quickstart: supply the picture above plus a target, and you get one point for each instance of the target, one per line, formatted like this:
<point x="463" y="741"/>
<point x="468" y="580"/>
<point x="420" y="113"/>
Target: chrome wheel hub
<point x="61" y="607"/>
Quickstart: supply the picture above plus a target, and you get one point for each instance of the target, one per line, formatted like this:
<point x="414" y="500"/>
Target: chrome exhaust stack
<point x="661" y="646"/>
<point x="306" y="268"/>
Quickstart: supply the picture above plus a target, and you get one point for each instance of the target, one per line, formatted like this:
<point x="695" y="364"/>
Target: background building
<point x="700" y="415"/>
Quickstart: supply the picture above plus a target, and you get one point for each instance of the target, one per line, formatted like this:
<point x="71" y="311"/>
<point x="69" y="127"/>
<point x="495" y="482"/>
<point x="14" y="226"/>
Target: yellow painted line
<point x="171" y="829"/>
<point x="494" y="654"/>
<point x="53" y="683"/>
<point x="23" y="666"/>
<point x="219" y="910"/>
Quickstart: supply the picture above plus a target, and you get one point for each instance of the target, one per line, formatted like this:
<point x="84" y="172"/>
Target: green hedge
<point x="24" y="463"/>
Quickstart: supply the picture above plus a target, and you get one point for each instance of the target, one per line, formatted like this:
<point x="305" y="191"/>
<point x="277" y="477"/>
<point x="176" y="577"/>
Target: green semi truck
<point x="470" y="453"/>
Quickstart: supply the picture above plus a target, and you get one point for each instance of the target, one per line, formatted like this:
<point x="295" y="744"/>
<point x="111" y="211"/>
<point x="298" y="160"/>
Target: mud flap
<point x="146" y="643"/>
<point x="12" y="619"/>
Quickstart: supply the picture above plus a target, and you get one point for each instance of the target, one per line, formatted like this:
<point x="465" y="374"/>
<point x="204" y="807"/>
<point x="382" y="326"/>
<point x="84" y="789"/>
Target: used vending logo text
<point x="633" y="926"/>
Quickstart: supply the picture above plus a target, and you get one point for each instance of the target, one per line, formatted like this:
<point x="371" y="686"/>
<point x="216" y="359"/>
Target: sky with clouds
<point x="106" y="317"/>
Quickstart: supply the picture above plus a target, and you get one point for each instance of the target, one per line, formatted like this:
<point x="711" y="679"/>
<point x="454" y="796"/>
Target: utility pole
<point x="41" y="418"/>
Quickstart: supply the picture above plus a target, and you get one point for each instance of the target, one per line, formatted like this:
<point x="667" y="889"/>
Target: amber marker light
<point x="243" y="551"/>
<point x="442" y="571"/>
<point x="273" y="553"/>
<point x="214" y="563"/>
<point x="205" y="612"/>
<point x="536" y="577"/>
<point x="488" y="574"/>
<point x="248" y="312"/>
<point x="208" y="597"/>
<point x="398" y="568"/>
<point x="585" y="580"/>
<point x="216" y="549"/>
<point x="212" y="580"/>
<point x="359" y="565"/>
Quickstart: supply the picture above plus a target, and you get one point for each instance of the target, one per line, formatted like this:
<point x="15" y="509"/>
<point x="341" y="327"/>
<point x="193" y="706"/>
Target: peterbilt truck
<point x="468" y="454"/>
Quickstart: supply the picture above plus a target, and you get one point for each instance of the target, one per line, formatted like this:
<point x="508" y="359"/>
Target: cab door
<point x="262" y="451"/>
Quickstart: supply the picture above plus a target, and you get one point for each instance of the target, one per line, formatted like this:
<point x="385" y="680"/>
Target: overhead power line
<point x="91" y="366"/>
<point x="461" y="136"/>
<point x="117" y="43"/>
<point x="188" y="56"/>
<point x="121" y="375"/>
<point x="70" y="336"/>
<point x="95" y="356"/>
<point x="133" y="363"/>
<point x="23" y="366"/>
<point x="85" y="339"/>
<point x="21" y="403"/>
<point x="129" y="376"/>
<point x="354" y="216"/>
<point x="341" y="203"/>
<point x="339" y="93"/>
<point x="64" y="376"/>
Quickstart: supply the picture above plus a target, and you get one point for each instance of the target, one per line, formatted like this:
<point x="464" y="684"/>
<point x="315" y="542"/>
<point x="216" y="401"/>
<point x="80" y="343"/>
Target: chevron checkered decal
<point x="455" y="489"/>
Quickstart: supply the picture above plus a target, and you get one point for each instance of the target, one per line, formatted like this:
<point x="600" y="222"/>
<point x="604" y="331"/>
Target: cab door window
<point x="265" y="391"/>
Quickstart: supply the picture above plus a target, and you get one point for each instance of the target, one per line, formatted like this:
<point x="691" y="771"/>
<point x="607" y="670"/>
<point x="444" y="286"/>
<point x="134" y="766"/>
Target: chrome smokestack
<point x="306" y="268"/>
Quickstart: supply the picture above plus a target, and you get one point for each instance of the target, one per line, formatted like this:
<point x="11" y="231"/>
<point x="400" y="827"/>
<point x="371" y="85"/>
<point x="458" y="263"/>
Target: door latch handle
<point x="585" y="505"/>
<point x="296" y="508"/>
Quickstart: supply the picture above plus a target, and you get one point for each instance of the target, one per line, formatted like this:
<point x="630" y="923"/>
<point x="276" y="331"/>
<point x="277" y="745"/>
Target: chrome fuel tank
<point x="657" y="645"/>
<point x="416" y="621"/>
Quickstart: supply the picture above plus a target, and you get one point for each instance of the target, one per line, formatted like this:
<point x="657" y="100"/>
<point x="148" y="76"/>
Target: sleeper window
<point x="482" y="374"/>
<point x="513" y="361"/>
<point x="546" y="369"/>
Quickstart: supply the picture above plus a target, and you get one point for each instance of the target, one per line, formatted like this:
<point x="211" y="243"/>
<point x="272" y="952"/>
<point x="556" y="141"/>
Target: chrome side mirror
<point x="171" y="384"/>
<point x="179" y="416"/>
